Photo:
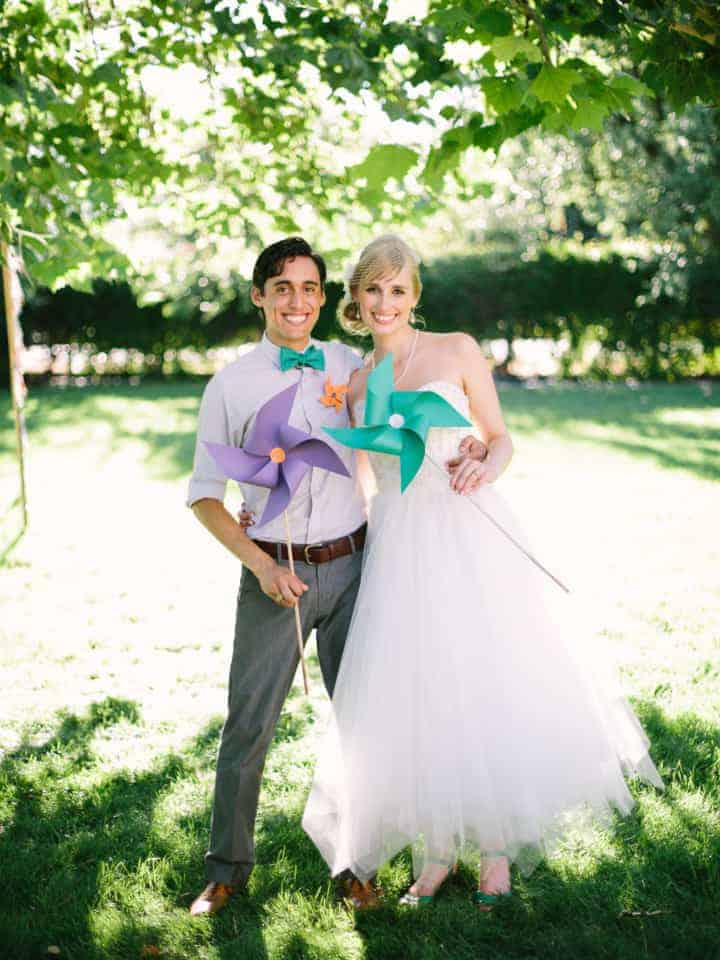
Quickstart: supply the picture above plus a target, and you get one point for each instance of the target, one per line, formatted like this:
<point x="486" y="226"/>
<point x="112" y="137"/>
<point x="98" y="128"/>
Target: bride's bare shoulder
<point x="452" y="344"/>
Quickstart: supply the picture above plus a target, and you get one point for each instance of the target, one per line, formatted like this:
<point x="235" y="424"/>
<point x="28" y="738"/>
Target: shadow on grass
<point x="568" y="409"/>
<point x="645" y="417"/>
<point x="104" y="864"/>
<point x="653" y="889"/>
<point x="127" y="414"/>
<point x="654" y="892"/>
<point x="92" y="861"/>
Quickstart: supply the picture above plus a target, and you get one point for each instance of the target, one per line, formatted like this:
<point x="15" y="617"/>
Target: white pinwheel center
<point x="396" y="420"/>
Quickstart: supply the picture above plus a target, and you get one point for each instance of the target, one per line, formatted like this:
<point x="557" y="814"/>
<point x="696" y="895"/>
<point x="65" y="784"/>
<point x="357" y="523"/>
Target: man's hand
<point x="280" y="585"/>
<point x="469" y="470"/>
<point x="277" y="582"/>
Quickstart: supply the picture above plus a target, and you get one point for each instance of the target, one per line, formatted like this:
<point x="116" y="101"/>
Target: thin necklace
<point x="411" y="354"/>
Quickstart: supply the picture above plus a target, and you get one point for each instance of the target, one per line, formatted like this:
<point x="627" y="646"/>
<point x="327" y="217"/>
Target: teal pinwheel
<point x="397" y="421"/>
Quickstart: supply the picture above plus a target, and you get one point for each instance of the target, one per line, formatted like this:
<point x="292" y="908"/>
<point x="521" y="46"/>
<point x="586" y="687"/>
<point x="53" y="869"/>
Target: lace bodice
<point x="441" y="444"/>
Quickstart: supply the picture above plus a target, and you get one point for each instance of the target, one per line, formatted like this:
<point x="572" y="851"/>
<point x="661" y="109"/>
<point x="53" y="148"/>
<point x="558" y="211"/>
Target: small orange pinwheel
<point x="334" y="395"/>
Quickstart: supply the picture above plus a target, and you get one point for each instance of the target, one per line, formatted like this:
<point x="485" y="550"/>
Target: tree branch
<point x="533" y="15"/>
<point x="688" y="29"/>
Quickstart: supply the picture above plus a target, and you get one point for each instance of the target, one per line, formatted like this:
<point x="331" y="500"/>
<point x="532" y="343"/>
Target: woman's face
<point x="386" y="302"/>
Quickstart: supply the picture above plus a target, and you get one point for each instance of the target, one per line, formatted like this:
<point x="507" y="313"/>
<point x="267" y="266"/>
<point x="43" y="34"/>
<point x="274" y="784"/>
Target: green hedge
<point x="489" y="296"/>
<point x="573" y="297"/>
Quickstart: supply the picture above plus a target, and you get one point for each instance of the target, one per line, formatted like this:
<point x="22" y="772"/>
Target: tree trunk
<point x="12" y="294"/>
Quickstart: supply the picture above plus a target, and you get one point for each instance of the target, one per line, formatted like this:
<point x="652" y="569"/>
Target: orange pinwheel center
<point x="277" y="455"/>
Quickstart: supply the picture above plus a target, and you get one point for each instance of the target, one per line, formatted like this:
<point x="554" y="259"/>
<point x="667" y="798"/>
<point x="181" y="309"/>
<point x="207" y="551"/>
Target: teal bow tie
<point x="313" y="357"/>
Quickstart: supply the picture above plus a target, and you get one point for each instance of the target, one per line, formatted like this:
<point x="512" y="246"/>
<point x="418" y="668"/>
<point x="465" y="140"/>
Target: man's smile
<point x="296" y="319"/>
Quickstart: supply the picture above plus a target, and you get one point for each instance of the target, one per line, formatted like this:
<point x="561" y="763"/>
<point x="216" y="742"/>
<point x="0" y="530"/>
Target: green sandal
<point x="421" y="900"/>
<point x="489" y="899"/>
<point x="412" y="900"/>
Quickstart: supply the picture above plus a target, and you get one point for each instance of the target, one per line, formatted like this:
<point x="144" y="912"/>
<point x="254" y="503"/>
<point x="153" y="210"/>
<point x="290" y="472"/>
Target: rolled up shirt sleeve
<point x="207" y="478"/>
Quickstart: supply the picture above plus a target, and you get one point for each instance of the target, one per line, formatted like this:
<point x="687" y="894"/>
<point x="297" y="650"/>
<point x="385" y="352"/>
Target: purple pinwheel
<point x="276" y="455"/>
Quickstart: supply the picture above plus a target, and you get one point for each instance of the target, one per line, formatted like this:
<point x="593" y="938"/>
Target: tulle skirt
<point x="471" y="716"/>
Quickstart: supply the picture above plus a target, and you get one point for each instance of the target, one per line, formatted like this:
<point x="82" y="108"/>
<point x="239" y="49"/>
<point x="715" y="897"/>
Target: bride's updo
<point x="383" y="257"/>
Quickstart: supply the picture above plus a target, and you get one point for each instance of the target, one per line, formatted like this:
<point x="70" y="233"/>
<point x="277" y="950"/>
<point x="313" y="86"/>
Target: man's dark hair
<point x="271" y="261"/>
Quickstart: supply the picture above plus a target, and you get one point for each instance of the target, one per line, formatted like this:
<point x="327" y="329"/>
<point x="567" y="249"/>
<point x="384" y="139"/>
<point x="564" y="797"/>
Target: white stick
<point x="298" y="625"/>
<point x="506" y="534"/>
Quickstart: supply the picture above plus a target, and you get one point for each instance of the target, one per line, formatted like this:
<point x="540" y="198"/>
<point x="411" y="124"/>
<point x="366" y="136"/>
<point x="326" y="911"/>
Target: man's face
<point x="291" y="303"/>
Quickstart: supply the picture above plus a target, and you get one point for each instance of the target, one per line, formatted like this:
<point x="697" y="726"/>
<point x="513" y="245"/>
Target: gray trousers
<point x="265" y="657"/>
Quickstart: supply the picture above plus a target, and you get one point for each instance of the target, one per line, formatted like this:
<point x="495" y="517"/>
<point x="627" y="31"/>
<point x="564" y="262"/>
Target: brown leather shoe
<point x="213" y="898"/>
<point x="361" y="896"/>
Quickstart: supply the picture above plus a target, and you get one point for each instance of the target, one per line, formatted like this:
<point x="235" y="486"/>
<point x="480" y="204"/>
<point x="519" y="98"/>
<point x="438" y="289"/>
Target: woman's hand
<point x="471" y="468"/>
<point x="246" y="518"/>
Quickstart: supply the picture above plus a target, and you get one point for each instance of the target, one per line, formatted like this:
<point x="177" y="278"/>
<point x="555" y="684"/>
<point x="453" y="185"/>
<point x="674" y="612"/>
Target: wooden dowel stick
<point x="512" y="539"/>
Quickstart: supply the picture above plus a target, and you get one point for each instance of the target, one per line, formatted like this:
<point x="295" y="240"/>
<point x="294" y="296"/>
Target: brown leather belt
<point x="314" y="553"/>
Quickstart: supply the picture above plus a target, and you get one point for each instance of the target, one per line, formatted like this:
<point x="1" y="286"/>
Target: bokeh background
<point x="557" y="167"/>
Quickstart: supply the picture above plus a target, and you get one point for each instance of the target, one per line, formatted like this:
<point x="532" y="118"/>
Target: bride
<point x="466" y="719"/>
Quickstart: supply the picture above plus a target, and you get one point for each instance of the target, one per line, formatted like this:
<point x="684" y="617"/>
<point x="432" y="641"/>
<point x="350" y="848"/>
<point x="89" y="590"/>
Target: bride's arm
<point x="366" y="477"/>
<point x="485" y="409"/>
<point x="356" y="390"/>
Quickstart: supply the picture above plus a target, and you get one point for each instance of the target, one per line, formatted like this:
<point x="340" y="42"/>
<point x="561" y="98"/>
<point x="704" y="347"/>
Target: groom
<point x="327" y="518"/>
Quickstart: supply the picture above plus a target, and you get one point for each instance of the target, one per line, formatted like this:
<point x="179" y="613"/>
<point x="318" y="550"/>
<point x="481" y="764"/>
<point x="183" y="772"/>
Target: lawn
<point x="115" y="640"/>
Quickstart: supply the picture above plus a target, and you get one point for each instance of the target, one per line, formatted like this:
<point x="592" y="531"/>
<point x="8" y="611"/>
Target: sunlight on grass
<point x="693" y="418"/>
<point x="115" y="640"/>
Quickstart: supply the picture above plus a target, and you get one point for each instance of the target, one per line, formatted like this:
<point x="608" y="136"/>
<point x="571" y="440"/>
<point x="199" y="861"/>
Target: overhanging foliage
<point x="78" y="131"/>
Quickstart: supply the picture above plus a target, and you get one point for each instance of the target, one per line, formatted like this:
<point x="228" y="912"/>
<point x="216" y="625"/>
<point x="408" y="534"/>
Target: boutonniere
<point x="334" y="395"/>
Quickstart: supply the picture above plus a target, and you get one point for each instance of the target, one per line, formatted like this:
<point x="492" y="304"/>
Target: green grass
<point x="115" y="639"/>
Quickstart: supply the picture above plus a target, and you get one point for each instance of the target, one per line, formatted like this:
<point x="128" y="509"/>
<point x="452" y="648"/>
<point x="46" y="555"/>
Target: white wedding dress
<point x="469" y="717"/>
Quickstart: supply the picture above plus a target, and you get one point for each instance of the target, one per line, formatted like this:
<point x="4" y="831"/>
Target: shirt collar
<point x="270" y="350"/>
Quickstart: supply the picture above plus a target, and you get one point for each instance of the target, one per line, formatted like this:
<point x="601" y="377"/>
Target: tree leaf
<point x="507" y="48"/>
<point x="590" y="114"/>
<point x="452" y="20"/>
<point x="503" y="94"/>
<point x="494" y="21"/>
<point x="8" y="94"/>
<point x="557" y="119"/>
<point x="488" y="137"/>
<point x="483" y="189"/>
<point x="108" y="72"/>
<point x="517" y="121"/>
<point x="633" y="86"/>
<point x="384" y="161"/>
<point x="445" y="157"/>
<point x="553" y="84"/>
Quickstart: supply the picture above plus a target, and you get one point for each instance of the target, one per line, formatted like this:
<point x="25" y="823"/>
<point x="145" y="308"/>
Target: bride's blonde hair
<point x="385" y="256"/>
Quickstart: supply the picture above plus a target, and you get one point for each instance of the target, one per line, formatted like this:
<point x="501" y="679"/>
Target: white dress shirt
<point x="325" y="505"/>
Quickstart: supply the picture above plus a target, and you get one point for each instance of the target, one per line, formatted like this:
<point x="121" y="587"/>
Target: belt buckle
<point x="309" y="546"/>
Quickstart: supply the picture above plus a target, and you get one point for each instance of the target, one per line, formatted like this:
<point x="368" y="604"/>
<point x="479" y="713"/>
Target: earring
<point x="356" y="310"/>
<point x="412" y="318"/>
